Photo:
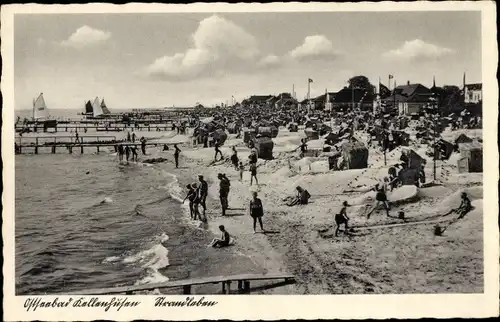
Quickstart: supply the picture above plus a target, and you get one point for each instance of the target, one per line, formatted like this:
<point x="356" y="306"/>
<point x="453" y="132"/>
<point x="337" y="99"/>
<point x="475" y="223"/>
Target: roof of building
<point x="410" y="89"/>
<point x="259" y="97"/>
<point x="322" y="97"/>
<point x="345" y="95"/>
<point x="474" y="87"/>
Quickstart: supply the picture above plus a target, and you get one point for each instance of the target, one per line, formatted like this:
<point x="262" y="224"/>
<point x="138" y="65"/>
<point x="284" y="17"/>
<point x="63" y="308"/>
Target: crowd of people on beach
<point x="384" y="132"/>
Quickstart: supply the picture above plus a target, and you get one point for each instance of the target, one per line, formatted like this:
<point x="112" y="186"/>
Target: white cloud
<point x="217" y="45"/>
<point x="269" y="61"/>
<point x="86" y="36"/>
<point x="314" y="47"/>
<point x="418" y="49"/>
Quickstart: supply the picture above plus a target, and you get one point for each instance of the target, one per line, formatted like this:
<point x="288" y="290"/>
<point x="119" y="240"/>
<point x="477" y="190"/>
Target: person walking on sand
<point x="242" y="170"/>
<point x="381" y="197"/>
<point x="341" y="218"/>
<point x="129" y="139"/>
<point x="253" y="173"/>
<point x="223" y="241"/>
<point x="217" y="151"/>
<point x="224" y="185"/>
<point x="234" y="158"/>
<point x="203" y="193"/>
<point x="176" y="155"/>
<point x="256" y="211"/>
<point x="133" y="137"/>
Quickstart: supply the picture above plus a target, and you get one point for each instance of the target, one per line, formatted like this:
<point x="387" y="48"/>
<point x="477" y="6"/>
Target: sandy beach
<point x="382" y="255"/>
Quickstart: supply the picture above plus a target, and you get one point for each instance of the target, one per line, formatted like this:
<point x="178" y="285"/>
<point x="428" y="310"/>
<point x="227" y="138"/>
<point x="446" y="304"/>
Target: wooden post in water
<point x="54" y="146"/>
<point x="246" y="286"/>
<point x="186" y="289"/>
<point x="36" y="145"/>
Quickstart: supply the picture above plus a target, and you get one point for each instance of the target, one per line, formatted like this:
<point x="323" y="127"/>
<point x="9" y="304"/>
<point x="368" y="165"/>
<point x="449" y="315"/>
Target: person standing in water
<point x="127" y="152"/>
<point x="176" y="155"/>
<point x="133" y="137"/>
<point x="77" y="139"/>
<point x="191" y="196"/>
<point x="133" y="149"/>
<point x="120" y="152"/>
<point x="256" y="211"/>
<point x="341" y="218"/>
<point x="203" y="193"/>
<point x="143" y="145"/>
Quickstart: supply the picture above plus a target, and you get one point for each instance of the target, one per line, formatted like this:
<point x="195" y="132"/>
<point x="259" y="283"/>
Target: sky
<point x="144" y="60"/>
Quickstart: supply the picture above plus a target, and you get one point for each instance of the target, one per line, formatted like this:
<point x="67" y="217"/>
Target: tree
<point x="450" y="99"/>
<point x="361" y="82"/>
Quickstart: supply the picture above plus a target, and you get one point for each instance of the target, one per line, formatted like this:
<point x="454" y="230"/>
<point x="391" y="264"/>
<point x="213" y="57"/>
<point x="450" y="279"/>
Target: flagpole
<point x="308" y="94"/>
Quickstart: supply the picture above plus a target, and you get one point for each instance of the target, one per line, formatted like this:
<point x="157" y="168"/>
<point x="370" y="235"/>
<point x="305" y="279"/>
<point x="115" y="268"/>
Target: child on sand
<point x="341" y="218"/>
<point x="465" y="206"/>
<point x="223" y="241"/>
<point x="242" y="170"/>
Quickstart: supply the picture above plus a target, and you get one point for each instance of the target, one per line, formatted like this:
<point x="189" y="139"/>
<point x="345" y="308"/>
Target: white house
<point x="473" y="93"/>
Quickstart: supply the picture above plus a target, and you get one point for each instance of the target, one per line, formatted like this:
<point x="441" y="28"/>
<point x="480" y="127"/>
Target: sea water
<point x="83" y="221"/>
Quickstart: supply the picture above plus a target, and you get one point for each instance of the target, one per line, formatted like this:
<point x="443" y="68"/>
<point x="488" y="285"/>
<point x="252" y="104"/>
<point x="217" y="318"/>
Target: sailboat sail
<point x="40" y="110"/>
<point x="88" y="108"/>
<point x="105" y="109"/>
<point x="96" y="107"/>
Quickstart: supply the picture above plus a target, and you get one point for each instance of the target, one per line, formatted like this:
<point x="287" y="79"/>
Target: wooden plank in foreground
<point x="185" y="282"/>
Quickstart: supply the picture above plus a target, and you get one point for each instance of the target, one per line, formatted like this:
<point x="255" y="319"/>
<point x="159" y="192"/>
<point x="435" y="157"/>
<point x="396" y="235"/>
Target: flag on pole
<point x="384" y="91"/>
<point x="310" y="80"/>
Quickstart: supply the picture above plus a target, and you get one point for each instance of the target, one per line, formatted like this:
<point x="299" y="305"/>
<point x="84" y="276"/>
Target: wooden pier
<point x="243" y="284"/>
<point x="35" y="144"/>
<point x="114" y="127"/>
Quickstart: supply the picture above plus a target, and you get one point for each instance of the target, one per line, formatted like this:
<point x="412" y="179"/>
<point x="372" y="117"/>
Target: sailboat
<point x="96" y="108"/>
<point x="40" y="110"/>
<point x="104" y="108"/>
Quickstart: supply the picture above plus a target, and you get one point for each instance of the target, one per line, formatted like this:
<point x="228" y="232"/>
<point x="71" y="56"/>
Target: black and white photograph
<point x="232" y="152"/>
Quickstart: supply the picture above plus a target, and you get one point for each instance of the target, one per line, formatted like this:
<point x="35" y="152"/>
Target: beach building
<point x="471" y="157"/>
<point x="473" y="93"/>
<point x="257" y="100"/>
<point x="409" y="99"/>
<point x="349" y="98"/>
<point x="320" y="102"/>
<point x="355" y="155"/>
